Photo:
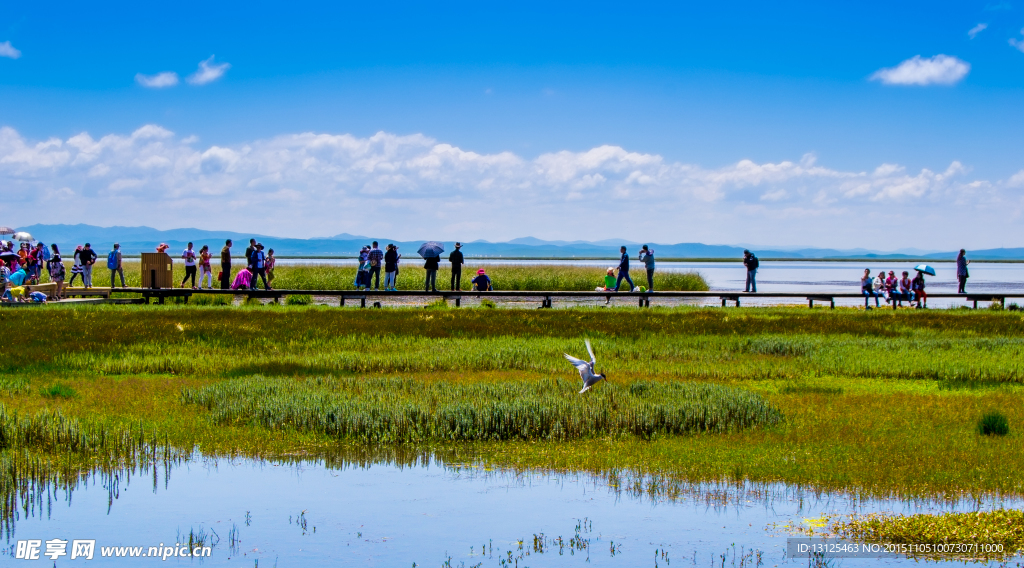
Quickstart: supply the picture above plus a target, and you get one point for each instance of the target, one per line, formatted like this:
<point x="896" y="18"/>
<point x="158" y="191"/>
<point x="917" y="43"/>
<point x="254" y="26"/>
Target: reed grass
<point x="404" y="410"/>
<point x="986" y="534"/>
<point x="412" y="276"/>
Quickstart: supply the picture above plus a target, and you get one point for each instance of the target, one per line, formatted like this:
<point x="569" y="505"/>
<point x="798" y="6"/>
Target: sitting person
<point x="482" y="283"/>
<point x="609" y="280"/>
<point x="242" y="279"/>
<point x="892" y="287"/>
<point x="906" y="291"/>
<point x="917" y="285"/>
<point x="18" y="277"/>
<point x="867" y="287"/>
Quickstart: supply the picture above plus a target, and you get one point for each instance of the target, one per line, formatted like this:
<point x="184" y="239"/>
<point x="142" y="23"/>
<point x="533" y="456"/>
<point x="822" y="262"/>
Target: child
<point x="270" y="262"/>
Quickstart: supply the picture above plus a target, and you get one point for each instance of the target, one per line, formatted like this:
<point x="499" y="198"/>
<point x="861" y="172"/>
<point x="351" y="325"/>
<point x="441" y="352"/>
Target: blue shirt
<point x="624" y="263"/>
<point x="482" y="282"/>
<point x="18" y="277"/>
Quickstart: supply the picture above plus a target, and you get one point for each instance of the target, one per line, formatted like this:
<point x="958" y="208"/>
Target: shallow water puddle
<point x="265" y="514"/>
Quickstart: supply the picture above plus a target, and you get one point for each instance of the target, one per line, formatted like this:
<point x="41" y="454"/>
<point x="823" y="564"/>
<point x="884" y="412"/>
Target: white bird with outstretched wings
<point x="586" y="368"/>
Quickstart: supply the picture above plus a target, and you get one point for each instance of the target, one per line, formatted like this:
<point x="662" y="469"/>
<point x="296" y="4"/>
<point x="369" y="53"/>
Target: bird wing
<point x="593" y="360"/>
<point x="581" y="366"/>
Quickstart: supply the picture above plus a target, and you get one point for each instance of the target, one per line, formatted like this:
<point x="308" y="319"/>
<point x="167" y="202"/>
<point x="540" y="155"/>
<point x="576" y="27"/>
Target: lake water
<point x="267" y="514"/>
<point x="796" y="276"/>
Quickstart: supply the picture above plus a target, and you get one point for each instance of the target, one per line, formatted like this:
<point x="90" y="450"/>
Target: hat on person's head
<point x="78" y="248"/>
<point x="2" y="262"/>
<point x="88" y="245"/>
<point x="457" y="245"/>
<point x="259" y="245"/>
<point x="481" y="271"/>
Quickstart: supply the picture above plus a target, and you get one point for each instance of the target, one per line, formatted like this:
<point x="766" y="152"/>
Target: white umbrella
<point x="23" y="237"/>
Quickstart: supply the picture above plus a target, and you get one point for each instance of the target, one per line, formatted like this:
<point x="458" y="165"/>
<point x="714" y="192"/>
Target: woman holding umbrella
<point x="918" y="284"/>
<point x="431" y="253"/>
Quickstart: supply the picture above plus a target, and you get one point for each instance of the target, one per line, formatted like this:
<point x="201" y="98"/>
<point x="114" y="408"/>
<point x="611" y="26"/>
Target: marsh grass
<point x="993" y="424"/>
<point x="1002" y="527"/>
<point x="411" y="276"/>
<point x="386" y="410"/>
<point x="59" y="390"/>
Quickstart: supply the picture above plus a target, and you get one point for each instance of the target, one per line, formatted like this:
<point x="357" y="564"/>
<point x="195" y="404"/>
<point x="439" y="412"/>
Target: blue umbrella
<point x="925" y="268"/>
<point x="431" y="248"/>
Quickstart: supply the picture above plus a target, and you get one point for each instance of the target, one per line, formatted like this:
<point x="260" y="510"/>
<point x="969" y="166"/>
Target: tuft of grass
<point x="489" y="304"/>
<point x="804" y="388"/>
<point x="996" y="533"/>
<point x="993" y="424"/>
<point x="438" y="304"/>
<point x="299" y="300"/>
<point x="995" y="306"/>
<point x="387" y="410"/>
<point x="210" y="300"/>
<point x="59" y="390"/>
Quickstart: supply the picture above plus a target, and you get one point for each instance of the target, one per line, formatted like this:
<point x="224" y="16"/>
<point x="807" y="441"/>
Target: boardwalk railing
<point x="545" y="297"/>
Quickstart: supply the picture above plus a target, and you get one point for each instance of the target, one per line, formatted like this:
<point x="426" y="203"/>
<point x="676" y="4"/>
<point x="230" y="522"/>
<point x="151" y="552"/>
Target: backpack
<point x="112" y="260"/>
<point x="754" y="263"/>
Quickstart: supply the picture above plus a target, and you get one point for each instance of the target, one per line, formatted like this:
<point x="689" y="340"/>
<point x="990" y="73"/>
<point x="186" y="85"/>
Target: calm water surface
<point x="386" y="515"/>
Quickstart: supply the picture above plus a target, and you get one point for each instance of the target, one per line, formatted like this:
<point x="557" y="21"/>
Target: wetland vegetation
<point x="872" y="404"/>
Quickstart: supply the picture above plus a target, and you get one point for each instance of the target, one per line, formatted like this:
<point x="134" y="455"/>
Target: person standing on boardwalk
<point x="225" y="265"/>
<point x="55" y="266"/>
<point x="88" y="258"/>
<point x="258" y="263"/>
<point x="751" y="263"/>
<point x="961" y="271"/>
<point x="190" y="266"/>
<point x="248" y="253"/>
<point x="114" y="264"/>
<point x="647" y="257"/>
<point x="390" y="268"/>
<point x="431" y="265"/>
<point x="205" y="270"/>
<point x="624" y="270"/>
<point x="271" y="263"/>
<point x="376" y="257"/>
<point x="457" y="261"/>
<point x="76" y="266"/>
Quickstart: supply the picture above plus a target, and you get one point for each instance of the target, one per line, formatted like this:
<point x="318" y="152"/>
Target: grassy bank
<point x="873" y="403"/>
<point x="412" y="275"/>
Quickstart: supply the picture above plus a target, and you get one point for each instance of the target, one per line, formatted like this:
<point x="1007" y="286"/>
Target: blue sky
<point x="698" y="89"/>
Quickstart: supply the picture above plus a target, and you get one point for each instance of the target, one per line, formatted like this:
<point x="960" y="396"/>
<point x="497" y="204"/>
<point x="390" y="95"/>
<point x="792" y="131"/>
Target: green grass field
<point x="875" y="404"/>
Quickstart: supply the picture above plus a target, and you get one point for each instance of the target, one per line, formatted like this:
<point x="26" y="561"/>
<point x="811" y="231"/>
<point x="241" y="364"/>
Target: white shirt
<point x="190" y="257"/>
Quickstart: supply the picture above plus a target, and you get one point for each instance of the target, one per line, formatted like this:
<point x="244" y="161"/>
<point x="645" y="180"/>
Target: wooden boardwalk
<point x="545" y="298"/>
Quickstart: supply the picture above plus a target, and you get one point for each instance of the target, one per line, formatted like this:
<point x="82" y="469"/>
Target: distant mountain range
<point x="135" y="240"/>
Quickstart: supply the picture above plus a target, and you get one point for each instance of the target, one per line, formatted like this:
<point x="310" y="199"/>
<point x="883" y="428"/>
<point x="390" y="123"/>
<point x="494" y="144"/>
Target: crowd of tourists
<point x="259" y="266"/>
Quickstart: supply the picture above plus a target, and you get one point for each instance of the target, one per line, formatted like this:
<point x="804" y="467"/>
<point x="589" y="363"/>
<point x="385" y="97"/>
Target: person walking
<point x="88" y="258"/>
<point x="624" y="270"/>
<point x="205" y="270"/>
<point x="55" y="266"/>
<point x="647" y="257"/>
<point x="225" y="265"/>
<point x="114" y="264"/>
<point x="961" y="271"/>
<point x="375" y="256"/>
<point x="390" y="268"/>
<point x="751" y="263"/>
<point x="258" y="261"/>
<point x="76" y="267"/>
<point x="271" y="263"/>
<point x="431" y="265"/>
<point x="190" y="265"/>
<point x="457" y="261"/>
<point x="867" y="287"/>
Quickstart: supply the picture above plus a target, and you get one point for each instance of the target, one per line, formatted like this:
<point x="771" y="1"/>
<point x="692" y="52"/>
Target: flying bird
<point x="586" y="369"/>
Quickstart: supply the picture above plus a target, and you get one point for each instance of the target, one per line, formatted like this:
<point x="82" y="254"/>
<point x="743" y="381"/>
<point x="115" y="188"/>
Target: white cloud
<point x="8" y="50"/>
<point x="158" y="81"/>
<point x="414" y="186"/>
<point x="976" y="30"/>
<point x="1018" y="43"/>
<point x="208" y="72"/>
<point x="938" y="70"/>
